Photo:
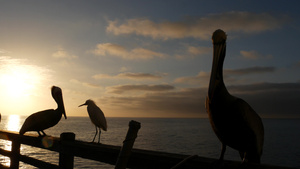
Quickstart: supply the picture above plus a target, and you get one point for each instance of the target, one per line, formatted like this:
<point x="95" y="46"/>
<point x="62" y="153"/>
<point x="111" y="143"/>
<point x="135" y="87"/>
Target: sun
<point x="19" y="85"/>
<point x="17" y="82"/>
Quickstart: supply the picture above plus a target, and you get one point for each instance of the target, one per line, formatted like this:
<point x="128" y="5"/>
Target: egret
<point x="97" y="117"/>
<point x="45" y="119"/>
<point x="232" y="119"/>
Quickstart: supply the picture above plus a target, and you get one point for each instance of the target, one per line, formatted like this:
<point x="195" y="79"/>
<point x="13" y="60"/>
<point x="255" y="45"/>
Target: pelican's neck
<point x="60" y="105"/>
<point x="216" y="83"/>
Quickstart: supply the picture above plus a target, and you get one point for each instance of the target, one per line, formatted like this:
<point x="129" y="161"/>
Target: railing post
<point x="66" y="161"/>
<point x="128" y="144"/>
<point x="15" y="157"/>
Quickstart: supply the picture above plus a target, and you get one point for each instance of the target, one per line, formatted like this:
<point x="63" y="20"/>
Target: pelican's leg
<point x="39" y="133"/>
<point x="95" y="134"/>
<point x="44" y="133"/>
<point x="219" y="163"/>
<point x="222" y="152"/>
<point x="99" y="135"/>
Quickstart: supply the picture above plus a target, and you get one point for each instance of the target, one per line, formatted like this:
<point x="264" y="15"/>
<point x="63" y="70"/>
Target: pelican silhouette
<point x="45" y="119"/>
<point x="97" y="117"/>
<point x="234" y="122"/>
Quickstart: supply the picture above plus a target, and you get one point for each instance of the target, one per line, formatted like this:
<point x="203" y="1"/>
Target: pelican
<point x="45" y="119"/>
<point x="232" y="119"/>
<point x="97" y="117"/>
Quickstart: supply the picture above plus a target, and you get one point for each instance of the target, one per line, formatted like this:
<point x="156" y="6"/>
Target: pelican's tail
<point x="22" y="131"/>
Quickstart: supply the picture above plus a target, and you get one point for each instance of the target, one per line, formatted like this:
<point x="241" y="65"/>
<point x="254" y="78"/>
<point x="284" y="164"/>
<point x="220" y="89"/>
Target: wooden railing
<point x="122" y="157"/>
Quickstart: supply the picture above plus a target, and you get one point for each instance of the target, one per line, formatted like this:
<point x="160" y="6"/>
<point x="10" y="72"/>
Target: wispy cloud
<point x="3" y="51"/>
<point x="130" y="75"/>
<point x="254" y="55"/>
<point x="152" y="88"/>
<point x="201" y="78"/>
<point x="104" y="49"/>
<point x="249" y="70"/>
<point x="198" y="27"/>
<point x="62" y="53"/>
<point x="180" y="103"/>
<point x="199" y="50"/>
<point x="91" y="85"/>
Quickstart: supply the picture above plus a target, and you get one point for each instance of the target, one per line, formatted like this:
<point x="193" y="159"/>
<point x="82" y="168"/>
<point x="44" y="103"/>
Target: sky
<point x="147" y="58"/>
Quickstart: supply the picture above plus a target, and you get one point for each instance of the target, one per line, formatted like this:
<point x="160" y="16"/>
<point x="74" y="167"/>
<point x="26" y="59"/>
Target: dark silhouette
<point x="48" y="118"/>
<point x="97" y="117"/>
<point x="233" y="120"/>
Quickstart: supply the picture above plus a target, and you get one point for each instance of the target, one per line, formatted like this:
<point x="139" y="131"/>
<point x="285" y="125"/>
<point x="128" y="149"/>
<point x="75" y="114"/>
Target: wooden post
<point x="128" y="144"/>
<point x="66" y="161"/>
<point x="15" y="157"/>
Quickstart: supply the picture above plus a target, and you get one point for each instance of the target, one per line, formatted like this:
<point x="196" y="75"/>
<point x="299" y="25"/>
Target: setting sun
<point x="19" y="84"/>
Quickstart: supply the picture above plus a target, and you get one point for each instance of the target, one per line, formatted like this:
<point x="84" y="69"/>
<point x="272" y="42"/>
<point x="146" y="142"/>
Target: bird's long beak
<point x="82" y="105"/>
<point x="62" y="106"/>
<point x="63" y="109"/>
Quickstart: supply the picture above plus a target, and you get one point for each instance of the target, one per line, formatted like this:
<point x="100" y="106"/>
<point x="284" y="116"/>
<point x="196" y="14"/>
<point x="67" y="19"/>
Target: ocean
<point x="175" y="135"/>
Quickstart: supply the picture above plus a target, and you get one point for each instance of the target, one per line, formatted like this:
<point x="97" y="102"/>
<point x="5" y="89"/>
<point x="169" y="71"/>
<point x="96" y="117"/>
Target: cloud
<point x="104" y="49"/>
<point x="62" y="53"/>
<point x="183" y="103"/>
<point x="3" y="51"/>
<point x="253" y="55"/>
<point x="130" y="75"/>
<point x="90" y="85"/>
<point x="198" y="27"/>
<point x="249" y="70"/>
<point x="126" y="88"/>
<point x="199" y="50"/>
<point x="201" y="78"/>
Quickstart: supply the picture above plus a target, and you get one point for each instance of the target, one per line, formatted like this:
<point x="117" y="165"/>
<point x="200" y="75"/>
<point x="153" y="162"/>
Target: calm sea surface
<point x="184" y="136"/>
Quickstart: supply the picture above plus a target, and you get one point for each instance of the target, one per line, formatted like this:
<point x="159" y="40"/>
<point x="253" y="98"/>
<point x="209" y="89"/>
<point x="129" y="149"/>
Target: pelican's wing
<point x="253" y="121"/>
<point x="36" y="122"/>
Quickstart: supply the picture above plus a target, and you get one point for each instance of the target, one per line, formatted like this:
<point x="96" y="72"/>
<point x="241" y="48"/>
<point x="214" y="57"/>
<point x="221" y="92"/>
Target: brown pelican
<point x="96" y="116"/>
<point x="48" y="118"/>
<point x="233" y="120"/>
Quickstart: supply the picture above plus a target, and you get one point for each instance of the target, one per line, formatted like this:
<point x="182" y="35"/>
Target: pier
<point x="121" y="157"/>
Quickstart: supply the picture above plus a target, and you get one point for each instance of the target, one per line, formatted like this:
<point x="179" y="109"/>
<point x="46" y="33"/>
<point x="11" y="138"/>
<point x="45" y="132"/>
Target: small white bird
<point x="97" y="117"/>
<point x="45" y="119"/>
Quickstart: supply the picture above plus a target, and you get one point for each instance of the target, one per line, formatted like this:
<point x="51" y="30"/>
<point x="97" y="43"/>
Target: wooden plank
<point x="37" y="163"/>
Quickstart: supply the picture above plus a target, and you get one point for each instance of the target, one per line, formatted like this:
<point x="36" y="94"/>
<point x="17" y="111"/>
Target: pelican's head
<point x="219" y="41"/>
<point x="88" y="102"/>
<point x="219" y="36"/>
<point x="57" y="95"/>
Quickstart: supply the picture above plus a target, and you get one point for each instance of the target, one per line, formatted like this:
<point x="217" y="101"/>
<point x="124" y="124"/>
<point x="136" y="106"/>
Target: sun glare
<point x="19" y="83"/>
<point x="13" y="123"/>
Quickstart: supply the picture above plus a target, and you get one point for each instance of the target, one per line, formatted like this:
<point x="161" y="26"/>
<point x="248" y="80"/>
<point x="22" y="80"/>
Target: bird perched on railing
<point x="233" y="120"/>
<point x="45" y="119"/>
<point x="97" y="117"/>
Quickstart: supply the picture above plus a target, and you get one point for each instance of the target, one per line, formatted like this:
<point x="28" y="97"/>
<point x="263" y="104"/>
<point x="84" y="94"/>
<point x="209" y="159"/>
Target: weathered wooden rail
<point x="121" y="157"/>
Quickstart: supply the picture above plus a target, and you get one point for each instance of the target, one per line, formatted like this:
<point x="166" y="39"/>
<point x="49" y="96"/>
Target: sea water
<point x="174" y="135"/>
